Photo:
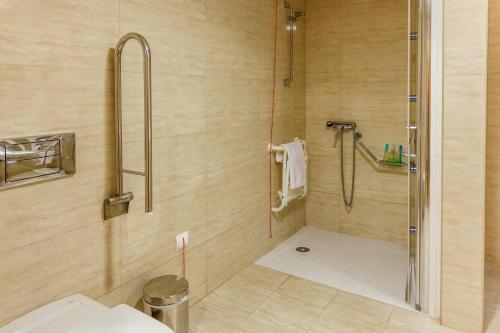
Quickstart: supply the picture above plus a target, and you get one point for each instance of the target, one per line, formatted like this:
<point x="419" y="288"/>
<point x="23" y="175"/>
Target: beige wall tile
<point x="367" y="21"/>
<point x="376" y="219"/>
<point x="86" y="260"/>
<point x="465" y="53"/>
<point x="369" y="61"/>
<point x="59" y="33"/>
<point x="323" y="210"/>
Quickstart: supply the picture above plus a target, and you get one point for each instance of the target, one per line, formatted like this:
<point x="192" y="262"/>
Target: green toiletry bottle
<point x="386" y="152"/>
<point x="400" y="153"/>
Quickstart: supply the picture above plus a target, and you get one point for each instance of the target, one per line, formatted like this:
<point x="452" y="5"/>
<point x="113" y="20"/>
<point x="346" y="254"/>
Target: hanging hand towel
<point x="296" y="163"/>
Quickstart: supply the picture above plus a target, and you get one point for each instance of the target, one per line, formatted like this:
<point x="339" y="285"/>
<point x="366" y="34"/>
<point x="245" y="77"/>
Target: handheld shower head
<point x="299" y="14"/>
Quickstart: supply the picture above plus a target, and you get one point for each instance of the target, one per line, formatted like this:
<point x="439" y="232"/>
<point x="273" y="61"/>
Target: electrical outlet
<point x="179" y="237"/>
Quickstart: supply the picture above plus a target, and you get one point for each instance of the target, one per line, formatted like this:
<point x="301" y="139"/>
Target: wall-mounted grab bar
<point x="358" y="137"/>
<point x="118" y="205"/>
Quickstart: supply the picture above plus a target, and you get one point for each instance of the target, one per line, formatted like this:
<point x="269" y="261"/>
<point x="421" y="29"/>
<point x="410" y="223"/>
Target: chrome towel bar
<point x="118" y="204"/>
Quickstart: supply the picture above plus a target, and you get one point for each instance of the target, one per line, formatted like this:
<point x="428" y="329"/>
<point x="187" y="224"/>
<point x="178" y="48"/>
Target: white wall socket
<point x="179" y="237"/>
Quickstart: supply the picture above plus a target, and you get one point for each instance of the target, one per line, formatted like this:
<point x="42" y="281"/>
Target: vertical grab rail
<point x="118" y="204"/>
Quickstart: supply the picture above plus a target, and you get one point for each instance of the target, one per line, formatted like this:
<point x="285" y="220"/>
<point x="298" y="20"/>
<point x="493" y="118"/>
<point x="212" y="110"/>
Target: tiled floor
<point x="261" y="300"/>
<point x="367" y="267"/>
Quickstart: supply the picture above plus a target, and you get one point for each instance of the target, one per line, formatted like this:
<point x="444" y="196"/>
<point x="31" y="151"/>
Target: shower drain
<point x="302" y="249"/>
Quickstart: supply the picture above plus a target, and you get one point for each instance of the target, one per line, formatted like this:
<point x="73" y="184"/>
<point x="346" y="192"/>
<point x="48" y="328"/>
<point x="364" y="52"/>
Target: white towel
<point x="296" y="163"/>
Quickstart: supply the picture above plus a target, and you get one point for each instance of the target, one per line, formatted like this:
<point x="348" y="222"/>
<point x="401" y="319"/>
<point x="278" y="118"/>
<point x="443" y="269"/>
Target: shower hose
<point x="348" y="201"/>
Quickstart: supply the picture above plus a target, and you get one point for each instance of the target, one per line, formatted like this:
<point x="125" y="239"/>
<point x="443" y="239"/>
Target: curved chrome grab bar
<point x="148" y="137"/>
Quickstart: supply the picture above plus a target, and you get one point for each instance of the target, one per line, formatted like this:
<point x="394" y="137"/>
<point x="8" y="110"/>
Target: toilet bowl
<point x="79" y="314"/>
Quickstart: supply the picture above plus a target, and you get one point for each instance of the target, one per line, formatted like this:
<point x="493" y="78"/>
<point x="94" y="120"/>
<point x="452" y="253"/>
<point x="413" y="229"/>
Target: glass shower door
<point x="414" y="41"/>
<point x="418" y="152"/>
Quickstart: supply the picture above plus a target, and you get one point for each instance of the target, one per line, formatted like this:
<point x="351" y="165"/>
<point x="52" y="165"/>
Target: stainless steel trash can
<point x="166" y="299"/>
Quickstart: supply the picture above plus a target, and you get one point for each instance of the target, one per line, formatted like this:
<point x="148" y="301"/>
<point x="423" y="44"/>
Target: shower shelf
<point x="374" y="158"/>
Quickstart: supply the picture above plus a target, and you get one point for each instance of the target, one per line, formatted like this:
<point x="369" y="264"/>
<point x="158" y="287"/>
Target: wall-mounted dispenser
<point x="35" y="159"/>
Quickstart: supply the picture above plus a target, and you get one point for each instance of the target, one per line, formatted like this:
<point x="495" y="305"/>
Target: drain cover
<point x="303" y="249"/>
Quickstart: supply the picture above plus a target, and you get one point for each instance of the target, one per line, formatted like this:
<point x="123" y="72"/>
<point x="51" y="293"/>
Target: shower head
<point x="299" y="14"/>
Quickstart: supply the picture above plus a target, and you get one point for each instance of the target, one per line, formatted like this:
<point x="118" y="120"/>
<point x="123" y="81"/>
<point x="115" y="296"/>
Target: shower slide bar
<point x="292" y="18"/>
<point x="286" y="194"/>
<point x="118" y="205"/>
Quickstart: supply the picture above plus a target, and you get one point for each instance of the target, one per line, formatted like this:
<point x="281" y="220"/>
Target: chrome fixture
<point x="292" y="18"/>
<point x="119" y="204"/>
<point x="303" y="249"/>
<point x="35" y="159"/>
<point x="340" y="126"/>
<point x="418" y="157"/>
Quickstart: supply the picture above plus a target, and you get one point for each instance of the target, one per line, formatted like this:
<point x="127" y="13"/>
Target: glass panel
<point x="413" y="109"/>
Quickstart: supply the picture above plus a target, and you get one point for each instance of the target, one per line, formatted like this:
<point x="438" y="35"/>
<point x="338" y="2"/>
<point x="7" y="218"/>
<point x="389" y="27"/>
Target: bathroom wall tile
<point x="230" y="252"/>
<point x="324" y="173"/>
<point x="368" y="61"/>
<point x="232" y="52"/>
<point x="456" y="312"/>
<point x="171" y="52"/>
<point x="86" y="260"/>
<point x="76" y="100"/>
<point x="369" y="21"/>
<point x="323" y="99"/>
<point x="149" y="240"/>
<point x="190" y="8"/>
<point x="232" y="102"/>
<point x="464" y="94"/>
<point x="111" y="299"/>
<point x="24" y="223"/>
<point x="59" y="34"/>
<point x="465" y="44"/>
<point x="178" y="105"/>
<point x="374" y="101"/>
<point x="387" y="184"/>
<point x="320" y="140"/>
<point x="465" y="55"/>
<point x="376" y="219"/>
<point x="323" y="210"/>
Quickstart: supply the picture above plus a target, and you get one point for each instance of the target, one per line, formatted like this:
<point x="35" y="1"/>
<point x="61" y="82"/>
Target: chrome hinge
<point x="413" y="230"/>
<point x="413" y="98"/>
<point x="413" y="35"/>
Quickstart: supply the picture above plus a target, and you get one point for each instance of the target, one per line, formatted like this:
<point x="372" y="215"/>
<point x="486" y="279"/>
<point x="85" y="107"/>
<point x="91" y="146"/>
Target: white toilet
<point x="79" y="314"/>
